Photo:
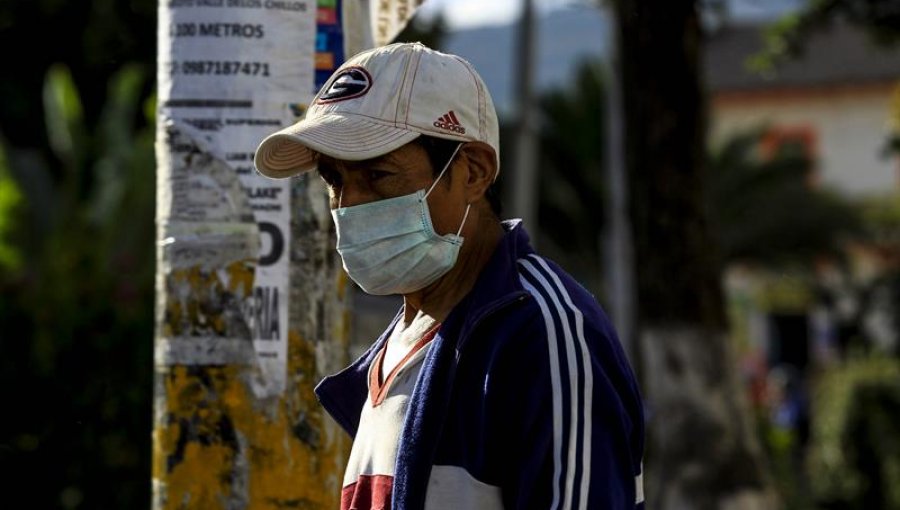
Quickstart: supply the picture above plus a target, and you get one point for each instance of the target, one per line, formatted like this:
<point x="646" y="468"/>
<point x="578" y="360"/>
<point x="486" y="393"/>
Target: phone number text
<point x="219" y="67"/>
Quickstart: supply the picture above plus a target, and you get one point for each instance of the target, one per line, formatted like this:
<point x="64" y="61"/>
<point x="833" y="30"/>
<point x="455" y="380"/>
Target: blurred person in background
<point x="500" y="383"/>
<point x="789" y="405"/>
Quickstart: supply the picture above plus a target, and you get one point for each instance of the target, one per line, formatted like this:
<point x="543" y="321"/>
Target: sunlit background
<point x="802" y="196"/>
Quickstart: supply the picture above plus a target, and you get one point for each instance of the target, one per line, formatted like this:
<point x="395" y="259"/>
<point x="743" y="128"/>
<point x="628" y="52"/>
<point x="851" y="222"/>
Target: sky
<point x="471" y="13"/>
<point x="464" y="14"/>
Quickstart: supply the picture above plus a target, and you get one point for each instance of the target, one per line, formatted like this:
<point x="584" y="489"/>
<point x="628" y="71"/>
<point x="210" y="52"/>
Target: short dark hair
<point x="440" y="150"/>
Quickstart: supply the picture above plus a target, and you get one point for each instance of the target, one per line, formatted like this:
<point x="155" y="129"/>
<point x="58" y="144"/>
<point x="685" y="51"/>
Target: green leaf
<point x="63" y="114"/>
<point x="10" y="201"/>
<point x="122" y="104"/>
<point x="150" y="108"/>
<point x="116" y="143"/>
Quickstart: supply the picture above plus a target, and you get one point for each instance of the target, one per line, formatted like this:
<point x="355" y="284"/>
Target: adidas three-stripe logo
<point x="571" y="378"/>
<point x="449" y="122"/>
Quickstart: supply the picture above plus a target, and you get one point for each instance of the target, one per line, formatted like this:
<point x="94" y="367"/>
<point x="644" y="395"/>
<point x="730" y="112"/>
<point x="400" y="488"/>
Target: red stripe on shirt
<point x="378" y="389"/>
<point x="370" y="492"/>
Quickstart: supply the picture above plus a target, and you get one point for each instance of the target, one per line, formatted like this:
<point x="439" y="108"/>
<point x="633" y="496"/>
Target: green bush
<point x="76" y="302"/>
<point x="854" y="455"/>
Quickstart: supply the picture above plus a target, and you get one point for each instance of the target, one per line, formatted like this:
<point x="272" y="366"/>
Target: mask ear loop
<point x="468" y="206"/>
<point x="444" y="170"/>
<point x="466" y="215"/>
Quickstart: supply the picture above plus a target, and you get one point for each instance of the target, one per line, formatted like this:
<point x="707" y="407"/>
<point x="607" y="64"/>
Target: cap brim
<point x="292" y="150"/>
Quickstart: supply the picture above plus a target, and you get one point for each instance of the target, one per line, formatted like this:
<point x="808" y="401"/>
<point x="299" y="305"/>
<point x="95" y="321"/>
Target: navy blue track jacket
<point x="525" y="393"/>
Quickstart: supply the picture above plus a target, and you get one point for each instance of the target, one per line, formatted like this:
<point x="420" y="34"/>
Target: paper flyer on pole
<point x="234" y="71"/>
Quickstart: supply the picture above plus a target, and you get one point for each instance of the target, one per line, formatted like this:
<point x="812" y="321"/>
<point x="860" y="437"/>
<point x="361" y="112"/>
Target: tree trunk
<point x="702" y="452"/>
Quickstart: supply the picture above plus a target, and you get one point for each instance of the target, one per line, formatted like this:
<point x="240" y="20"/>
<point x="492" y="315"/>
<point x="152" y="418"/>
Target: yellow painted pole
<point x="216" y="443"/>
<point x="251" y="302"/>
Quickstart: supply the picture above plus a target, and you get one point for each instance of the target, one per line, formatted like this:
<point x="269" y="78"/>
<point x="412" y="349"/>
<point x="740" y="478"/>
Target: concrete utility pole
<point x="523" y="189"/>
<point x="617" y="246"/>
<point x="251" y="306"/>
<point x="250" y="298"/>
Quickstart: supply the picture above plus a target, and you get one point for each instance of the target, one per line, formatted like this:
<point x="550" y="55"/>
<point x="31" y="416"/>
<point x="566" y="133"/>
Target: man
<point x="500" y="383"/>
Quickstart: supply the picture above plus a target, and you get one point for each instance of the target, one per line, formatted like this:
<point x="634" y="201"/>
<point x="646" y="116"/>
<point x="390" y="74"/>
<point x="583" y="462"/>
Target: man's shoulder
<point x="557" y="294"/>
<point x="550" y="303"/>
<point x="562" y="320"/>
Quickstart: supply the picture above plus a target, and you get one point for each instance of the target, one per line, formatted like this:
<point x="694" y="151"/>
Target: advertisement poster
<point x="230" y="73"/>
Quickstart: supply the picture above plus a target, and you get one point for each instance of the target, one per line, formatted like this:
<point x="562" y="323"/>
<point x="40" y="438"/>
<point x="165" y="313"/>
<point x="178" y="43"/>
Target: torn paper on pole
<point x="230" y="73"/>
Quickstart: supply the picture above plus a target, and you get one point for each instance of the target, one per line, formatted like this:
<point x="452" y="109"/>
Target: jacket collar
<point x="497" y="284"/>
<point x="343" y="394"/>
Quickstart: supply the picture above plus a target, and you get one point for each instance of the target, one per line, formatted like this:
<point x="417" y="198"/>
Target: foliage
<point x="765" y="210"/>
<point x="881" y="291"/>
<point x="94" y="38"/>
<point x="786" y="37"/>
<point x="785" y="438"/>
<point x="572" y="189"/>
<point x="893" y="142"/>
<point x="855" y="448"/>
<point x="882" y="212"/>
<point x="77" y="312"/>
<point x="10" y="202"/>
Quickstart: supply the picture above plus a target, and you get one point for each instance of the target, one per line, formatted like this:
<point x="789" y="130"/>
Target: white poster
<point x="232" y="72"/>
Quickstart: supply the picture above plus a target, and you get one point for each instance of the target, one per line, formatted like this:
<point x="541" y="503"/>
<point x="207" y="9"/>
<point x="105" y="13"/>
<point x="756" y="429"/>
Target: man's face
<point x="401" y="172"/>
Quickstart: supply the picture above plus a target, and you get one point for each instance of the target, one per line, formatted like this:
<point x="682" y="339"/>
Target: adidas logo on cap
<point x="380" y="100"/>
<point x="449" y="122"/>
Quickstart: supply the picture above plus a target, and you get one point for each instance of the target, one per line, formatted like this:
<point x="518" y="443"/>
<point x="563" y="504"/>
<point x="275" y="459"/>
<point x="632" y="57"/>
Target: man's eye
<point x="375" y="175"/>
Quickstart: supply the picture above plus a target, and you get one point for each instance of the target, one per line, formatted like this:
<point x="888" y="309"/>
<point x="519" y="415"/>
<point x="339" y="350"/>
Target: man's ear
<point x="482" y="167"/>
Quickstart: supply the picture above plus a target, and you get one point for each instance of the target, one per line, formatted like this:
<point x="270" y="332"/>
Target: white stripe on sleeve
<point x="588" y="382"/>
<point x="555" y="387"/>
<point x="571" y="464"/>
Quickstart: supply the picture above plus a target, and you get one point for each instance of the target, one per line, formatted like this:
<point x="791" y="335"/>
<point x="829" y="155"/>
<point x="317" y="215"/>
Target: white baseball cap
<point x="380" y="100"/>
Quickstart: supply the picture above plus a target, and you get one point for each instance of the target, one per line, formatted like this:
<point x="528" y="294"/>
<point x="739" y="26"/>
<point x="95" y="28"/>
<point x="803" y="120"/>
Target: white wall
<point x="851" y="128"/>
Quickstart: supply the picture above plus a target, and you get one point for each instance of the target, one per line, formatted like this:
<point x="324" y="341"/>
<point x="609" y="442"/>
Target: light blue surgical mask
<point x="390" y="246"/>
